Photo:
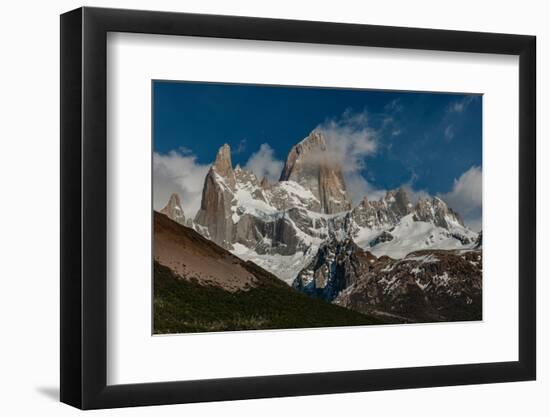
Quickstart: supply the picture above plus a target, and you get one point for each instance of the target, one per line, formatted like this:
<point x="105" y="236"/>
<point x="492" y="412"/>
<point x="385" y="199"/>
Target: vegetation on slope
<point x="184" y="306"/>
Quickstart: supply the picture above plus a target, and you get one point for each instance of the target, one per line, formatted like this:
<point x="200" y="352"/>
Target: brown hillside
<point x="193" y="257"/>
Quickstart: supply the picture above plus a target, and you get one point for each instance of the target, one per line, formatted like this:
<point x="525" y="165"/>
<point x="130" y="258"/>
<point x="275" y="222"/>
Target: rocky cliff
<point x="429" y="285"/>
<point x="309" y="164"/>
<point x="217" y="195"/>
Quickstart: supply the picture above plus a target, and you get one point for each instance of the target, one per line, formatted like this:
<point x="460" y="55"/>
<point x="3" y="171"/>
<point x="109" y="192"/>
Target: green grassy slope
<point x="183" y="306"/>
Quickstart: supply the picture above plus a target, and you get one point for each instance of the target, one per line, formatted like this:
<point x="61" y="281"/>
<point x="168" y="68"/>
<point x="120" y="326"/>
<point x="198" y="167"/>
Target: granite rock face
<point x="217" y="194"/>
<point x="309" y="164"/>
<point x="173" y="209"/>
<point x="337" y="265"/>
<point x="434" y="210"/>
<point x="386" y="212"/>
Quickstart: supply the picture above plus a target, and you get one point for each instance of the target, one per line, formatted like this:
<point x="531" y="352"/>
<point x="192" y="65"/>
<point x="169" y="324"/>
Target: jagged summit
<point x="222" y="164"/>
<point x="436" y="211"/>
<point x="217" y="193"/>
<point x="306" y="152"/>
<point x="310" y="164"/>
<point x="399" y="201"/>
<point x="383" y="213"/>
<point x="174" y="210"/>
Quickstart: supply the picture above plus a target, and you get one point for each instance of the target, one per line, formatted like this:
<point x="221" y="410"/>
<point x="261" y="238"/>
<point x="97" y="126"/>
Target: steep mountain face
<point x="173" y="209"/>
<point x="217" y="195"/>
<point x="383" y="213"/>
<point x="430" y="285"/>
<point x="336" y="266"/>
<point x="437" y="212"/>
<point x="309" y="164"/>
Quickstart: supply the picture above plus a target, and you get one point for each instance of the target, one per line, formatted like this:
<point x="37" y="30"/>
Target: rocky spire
<point x="173" y="209"/>
<point x="435" y="210"/>
<point x="302" y="155"/>
<point x="398" y="200"/>
<point x="217" y="194"/>
<point x="265" y="183"/>
<point x="222" y="164"/>
<point x="309" y="163"/>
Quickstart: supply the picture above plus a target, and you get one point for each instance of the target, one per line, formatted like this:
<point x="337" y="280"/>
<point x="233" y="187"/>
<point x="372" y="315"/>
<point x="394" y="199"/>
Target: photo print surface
<point x="281" y="207"/>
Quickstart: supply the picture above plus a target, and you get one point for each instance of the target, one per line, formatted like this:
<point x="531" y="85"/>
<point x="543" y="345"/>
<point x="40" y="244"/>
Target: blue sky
<point x="426" y="141"/>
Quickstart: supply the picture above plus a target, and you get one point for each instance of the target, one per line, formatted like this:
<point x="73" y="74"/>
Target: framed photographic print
<point x="257" y="208"/>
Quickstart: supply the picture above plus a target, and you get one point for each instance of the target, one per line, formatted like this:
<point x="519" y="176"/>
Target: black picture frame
<point x="84" y="207"/>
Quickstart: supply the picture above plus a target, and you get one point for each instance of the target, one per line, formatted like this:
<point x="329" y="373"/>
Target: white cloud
<point x="350" y="140"/>
<point x="466" y="196"/>
<point x="358" y="188"/>
<point x="415" y="195"/>
<point x="263" y="163"/>
<point x="466" y="193"/>
<point x="178" y="172"/>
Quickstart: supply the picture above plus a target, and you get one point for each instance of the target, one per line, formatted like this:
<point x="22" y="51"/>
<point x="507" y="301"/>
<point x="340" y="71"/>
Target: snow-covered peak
<point x="398" y="201"/>
<point x="436" y="211"/>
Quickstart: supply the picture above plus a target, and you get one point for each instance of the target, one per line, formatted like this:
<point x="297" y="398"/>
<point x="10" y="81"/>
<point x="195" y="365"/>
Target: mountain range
<point x="376" y="257"/>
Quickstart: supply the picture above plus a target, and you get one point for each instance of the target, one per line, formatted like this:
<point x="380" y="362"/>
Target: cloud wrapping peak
<point x="178" y="172"/>
<point x="349" y="141"/>
<point x="264" y="163"/>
